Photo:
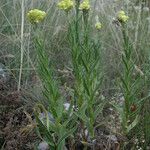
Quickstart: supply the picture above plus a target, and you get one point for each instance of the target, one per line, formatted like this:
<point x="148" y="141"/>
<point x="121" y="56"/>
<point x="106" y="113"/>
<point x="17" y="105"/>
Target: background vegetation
<point x="19" y="63"/>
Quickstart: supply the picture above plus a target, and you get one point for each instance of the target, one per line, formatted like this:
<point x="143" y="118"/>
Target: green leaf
<point x="44" y="131"/>
<point x="60" y="108"/>
<point x="81" y="112"/>
<point x="86" y="87"/>
<point x="66" y="135"/>
<point x="99" y="109"/>
<point x="124" y="84"/>
<point x="133" y="124"/>
<point x="141" y="101"/>
<point x="85" y="65"/>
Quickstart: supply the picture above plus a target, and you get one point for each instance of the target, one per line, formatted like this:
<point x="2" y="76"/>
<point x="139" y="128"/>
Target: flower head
<point x="98" y="25"/>
<point x="122" y="17"/>
<point x="36" y="16"/>
<point x="66" y="5"/>
<point x="85" y="5"/>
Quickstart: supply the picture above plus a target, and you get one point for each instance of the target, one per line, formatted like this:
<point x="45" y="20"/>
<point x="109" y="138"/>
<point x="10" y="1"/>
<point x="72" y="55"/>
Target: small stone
<point x="146" y="9"/>
<point x="42" y="117"/>
<point x="4" y="75"/>
<point x="43" y="146"/>
<point x="113" y="138"/>
<point x="67" y="106"/>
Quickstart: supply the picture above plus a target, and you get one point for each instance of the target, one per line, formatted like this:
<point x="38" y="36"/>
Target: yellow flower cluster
<point x="122" y="17"/>
<point x="36" y="16"/>
<point x="66" y="5"/>
<point x="98" y="25"/>
<point x="85" y="5"/>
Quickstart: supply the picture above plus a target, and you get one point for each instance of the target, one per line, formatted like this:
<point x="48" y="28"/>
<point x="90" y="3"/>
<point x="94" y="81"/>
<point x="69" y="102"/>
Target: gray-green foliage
<point x="86" y="69"/>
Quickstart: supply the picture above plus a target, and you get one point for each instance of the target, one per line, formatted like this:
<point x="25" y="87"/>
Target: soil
<point x="17" y="128"/>
<point x="15" y="133"/>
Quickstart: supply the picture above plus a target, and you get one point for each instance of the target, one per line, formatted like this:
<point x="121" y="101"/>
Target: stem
<point x="77" y="21"/>
<point x="85" y="18"/>
<point x="22" y="44"/>
<point x="126" y="62"/>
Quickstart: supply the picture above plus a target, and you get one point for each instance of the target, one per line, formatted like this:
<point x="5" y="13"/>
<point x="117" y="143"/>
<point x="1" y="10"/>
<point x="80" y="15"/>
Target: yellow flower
<point x="98" y="25"/>
<point x="122" y="17"/>
<point x="85" y="5"/>
<point x="66" y="5"/>
<point x="36" y="16"/>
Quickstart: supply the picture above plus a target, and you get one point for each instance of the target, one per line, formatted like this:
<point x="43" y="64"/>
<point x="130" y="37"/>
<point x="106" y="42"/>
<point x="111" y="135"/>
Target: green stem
<point x="126" y="59"/>
<point x="77" y="21"/>
<point x="85" y="18"/>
